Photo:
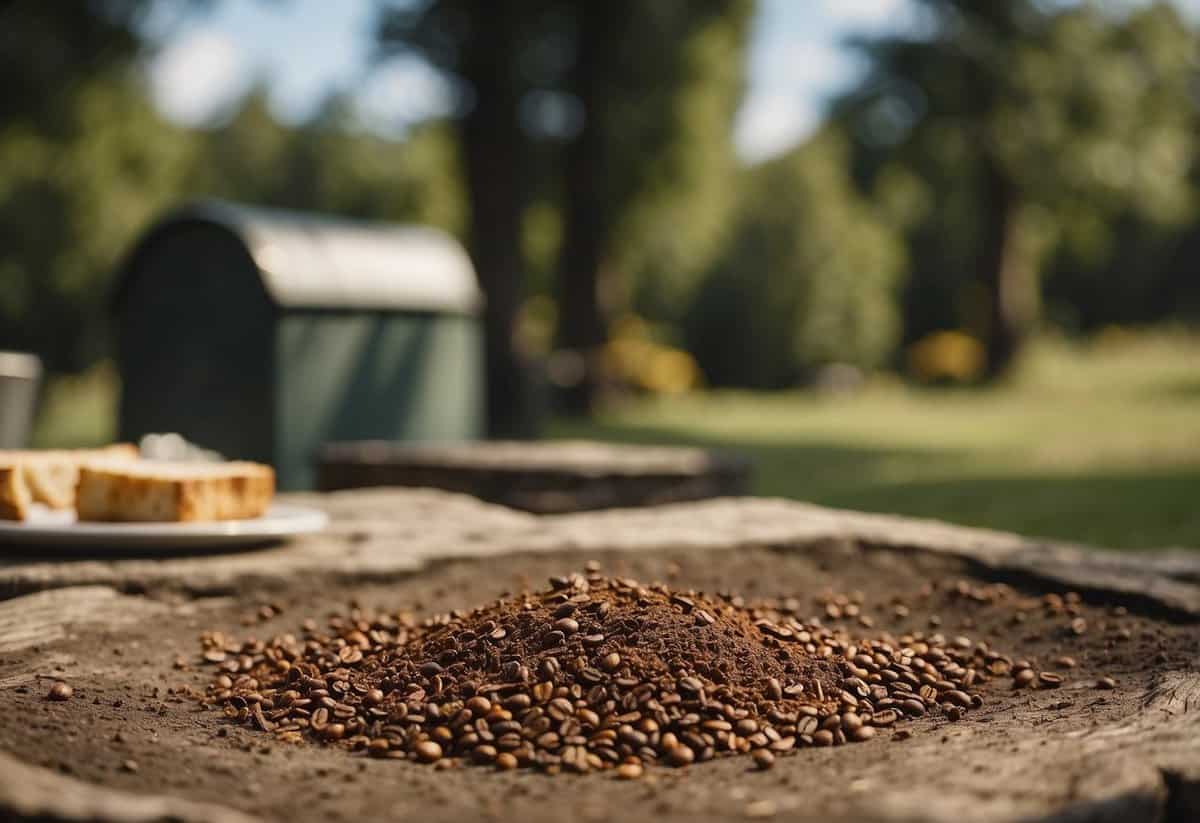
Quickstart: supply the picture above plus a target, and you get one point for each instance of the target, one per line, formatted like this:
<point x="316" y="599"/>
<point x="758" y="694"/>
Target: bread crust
<point x="176" y="492"/>
<point x="50" y="475"/>
<point x="14" y="494"/>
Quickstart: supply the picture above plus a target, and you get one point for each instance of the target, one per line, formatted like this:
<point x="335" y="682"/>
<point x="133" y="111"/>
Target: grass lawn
<point x="1096" y="443"/>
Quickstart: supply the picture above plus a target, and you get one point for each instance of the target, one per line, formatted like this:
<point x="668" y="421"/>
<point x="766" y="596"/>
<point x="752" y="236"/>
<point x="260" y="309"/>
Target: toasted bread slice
<point x="149" y="491"/>
<point x="14" y="494"/>
<point x="50" y="475"/>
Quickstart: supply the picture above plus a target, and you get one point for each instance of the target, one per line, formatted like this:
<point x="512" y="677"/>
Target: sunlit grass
<point x="1098" y="443"/>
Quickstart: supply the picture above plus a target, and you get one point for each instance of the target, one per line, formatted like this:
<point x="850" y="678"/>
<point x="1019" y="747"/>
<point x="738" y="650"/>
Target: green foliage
<point x="1088" y="117"/>
<point x="328" y="165"/>
<point x="809" y="276"/>
<point x="71" y="202"/>
<point x="675" y="222"/>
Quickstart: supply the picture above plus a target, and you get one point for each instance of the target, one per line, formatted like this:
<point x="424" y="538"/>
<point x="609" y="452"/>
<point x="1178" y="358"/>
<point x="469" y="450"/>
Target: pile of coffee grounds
<point x="592" y="673"/>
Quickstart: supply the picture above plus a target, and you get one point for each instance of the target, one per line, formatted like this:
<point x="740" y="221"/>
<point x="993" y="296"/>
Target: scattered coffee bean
<point x="60" y="691"/>
<point x="1106" y="683"/>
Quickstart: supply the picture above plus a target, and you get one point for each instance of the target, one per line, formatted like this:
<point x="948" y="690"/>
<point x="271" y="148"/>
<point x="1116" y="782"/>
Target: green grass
<point x="1097" y="443"/>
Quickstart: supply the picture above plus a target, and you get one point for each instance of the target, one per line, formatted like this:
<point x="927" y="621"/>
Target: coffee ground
<point x="593" y="673"/>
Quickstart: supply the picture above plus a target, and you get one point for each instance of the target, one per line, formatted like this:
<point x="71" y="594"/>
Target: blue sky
<point x="303" y="49"/>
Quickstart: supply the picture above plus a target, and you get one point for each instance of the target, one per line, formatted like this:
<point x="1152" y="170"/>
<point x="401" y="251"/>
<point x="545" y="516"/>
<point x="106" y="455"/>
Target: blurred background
<point x="933" y="257"/>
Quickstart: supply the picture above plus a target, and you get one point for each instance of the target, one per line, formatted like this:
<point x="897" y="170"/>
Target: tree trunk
<point x="582" y="326"/>
<point x="1008" y="274"/>
<point x="494" y="153"/>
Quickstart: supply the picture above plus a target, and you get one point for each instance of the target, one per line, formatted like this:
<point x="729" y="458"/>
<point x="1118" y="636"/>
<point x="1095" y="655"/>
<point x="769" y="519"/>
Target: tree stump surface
<point x="129" y="746"/>
<point x="548" y="477"/>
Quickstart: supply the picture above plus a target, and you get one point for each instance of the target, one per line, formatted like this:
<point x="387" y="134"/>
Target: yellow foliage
<point x="634" y="358"/>
<point x="947" y="355"/>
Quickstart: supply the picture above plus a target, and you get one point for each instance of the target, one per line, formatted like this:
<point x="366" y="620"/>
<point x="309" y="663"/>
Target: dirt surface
<point x="1024" y="753"/>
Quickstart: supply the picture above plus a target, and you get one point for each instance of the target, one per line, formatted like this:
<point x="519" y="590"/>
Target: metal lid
<point x="314" y="261"/>
<point x="20" y="365"/>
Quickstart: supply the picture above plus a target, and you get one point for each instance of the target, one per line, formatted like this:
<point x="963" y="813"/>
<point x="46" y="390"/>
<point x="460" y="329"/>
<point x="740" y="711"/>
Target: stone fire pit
<point x="129" y="744"/>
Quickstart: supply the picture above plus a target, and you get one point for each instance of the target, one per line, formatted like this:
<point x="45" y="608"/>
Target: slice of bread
<point x="149" y="491"/>
<point x="49" y="476"/>
<point x="14" y="494"/>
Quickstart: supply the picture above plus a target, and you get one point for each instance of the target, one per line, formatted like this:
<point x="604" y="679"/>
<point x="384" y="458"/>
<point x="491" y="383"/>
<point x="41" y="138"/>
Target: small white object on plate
<point x="47" y="527"/>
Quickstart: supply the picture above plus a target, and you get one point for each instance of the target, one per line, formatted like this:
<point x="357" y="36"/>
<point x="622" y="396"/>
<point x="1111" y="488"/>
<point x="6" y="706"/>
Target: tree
<point x="632" y="72"/>
<point x="649" y="178"/>
<point x="1032" y="125"/>
<point x="808" y="278"/>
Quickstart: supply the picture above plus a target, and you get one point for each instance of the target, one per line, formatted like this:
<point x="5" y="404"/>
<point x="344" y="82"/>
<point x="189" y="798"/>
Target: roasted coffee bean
<point x="615" y="679"/>
<point x="680" y="755"/>
<point x="862" y="733"/>
<point x="1106" y="683"/>
<point x="958" y="698"/>
<point x="427" y="751"/>
<point x="763" y="759"/>
<point x="60" y="691"/>
<point x="629" y="771"/>
<point x="1050" y="680"/>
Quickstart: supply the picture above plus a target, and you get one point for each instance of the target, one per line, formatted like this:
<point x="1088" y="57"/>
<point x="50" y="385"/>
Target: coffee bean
<point x="680" y="755"/>
<point x="862" y="733"/>
<point x="1023" y="678"/>
<point x="428" y="751"/>
<point x="1050" y="680"/>
<point x="463" y="684"/>
<point x="1106" y="683"/>
<point x="629" y="771"/>
<point x="958" y="698"/>
<point x="60" y="691"/>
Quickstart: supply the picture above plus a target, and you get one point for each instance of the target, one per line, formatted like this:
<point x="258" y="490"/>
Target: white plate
<point x="46" y="527"/>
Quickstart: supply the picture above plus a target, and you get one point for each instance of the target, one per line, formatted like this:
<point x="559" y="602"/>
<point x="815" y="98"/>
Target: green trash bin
<point x="263" y="334"/>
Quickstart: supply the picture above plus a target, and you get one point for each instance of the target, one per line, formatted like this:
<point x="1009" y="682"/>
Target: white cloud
<point x="789" y="79"/>
<point x="800" y="64"/>
<point x="402" y="92"/>
<point x="866" y="13"/>
<point x="194" y="77"/>
<point x="769" y="124"/>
